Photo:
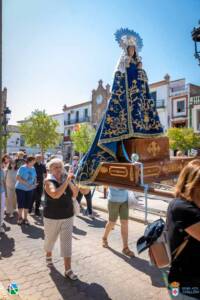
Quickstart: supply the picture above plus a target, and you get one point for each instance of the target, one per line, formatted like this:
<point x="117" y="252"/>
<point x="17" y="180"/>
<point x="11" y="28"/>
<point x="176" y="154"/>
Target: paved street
<point x="103" y="273"/>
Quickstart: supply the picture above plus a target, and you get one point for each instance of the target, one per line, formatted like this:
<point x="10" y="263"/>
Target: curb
<point x="139" y="220"/>
<point x="130" y="217"/>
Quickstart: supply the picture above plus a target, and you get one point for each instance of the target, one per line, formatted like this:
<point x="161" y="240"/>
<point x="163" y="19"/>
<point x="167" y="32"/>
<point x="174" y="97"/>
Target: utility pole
<point x="1" y="98"/>
<point x="1" y="111"/>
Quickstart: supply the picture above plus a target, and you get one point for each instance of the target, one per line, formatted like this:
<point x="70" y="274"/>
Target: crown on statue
<point x="126" y="37"/>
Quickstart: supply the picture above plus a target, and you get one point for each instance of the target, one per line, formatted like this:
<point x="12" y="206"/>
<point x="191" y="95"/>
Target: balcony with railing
<point x="160" y="103"/>
<point x="195" y="100"/>
<point x="178" y="91"/>
<point x="77" y="120"/>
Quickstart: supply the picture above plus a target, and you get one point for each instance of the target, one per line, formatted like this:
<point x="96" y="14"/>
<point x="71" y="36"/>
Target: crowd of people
<point x="21" y="185"/>
<point x="23" y="182"/>
<point x="24" y="179"/>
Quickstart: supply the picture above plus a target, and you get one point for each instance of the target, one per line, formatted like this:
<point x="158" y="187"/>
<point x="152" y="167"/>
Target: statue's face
<point x="131" y="50"/>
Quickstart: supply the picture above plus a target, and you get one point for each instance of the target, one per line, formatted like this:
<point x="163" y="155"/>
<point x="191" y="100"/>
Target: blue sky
<point x="55" y="51"/>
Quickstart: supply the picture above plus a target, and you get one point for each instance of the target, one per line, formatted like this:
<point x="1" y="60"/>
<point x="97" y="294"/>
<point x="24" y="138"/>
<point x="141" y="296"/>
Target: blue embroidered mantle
<point x="130" y="113"/>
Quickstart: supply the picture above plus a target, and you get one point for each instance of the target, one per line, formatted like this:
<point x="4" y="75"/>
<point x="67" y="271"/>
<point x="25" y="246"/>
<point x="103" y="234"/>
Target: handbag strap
<point x="180" y="248"/>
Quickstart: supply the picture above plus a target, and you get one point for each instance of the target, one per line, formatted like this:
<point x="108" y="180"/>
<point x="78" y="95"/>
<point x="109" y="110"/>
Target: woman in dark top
<point x="183" y="222"/>
<point x="58" y="213"/>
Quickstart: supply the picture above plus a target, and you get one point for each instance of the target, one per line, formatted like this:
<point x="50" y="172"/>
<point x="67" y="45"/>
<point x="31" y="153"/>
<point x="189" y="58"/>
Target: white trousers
<point x="54" y="228"/>
<point x="2" y="207"/>
<point x="11" y="201"/>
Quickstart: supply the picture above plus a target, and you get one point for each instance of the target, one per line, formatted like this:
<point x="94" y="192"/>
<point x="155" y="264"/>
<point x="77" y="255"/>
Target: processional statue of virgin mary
<point x="131" y="112"/>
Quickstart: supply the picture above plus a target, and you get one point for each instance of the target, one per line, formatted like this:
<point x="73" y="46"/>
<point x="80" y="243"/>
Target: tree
<point x="183" y="139"/>
<point x="82" y="138"/>
<point x="40" y="129"/>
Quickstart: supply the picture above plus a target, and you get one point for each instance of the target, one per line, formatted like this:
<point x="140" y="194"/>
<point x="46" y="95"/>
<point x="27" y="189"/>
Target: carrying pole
<point x="145" y="187"/>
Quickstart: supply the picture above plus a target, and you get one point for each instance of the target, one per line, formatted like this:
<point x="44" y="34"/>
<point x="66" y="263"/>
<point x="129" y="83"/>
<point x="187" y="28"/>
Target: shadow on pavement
<point x="77" y="289"/>
<point x="12" y="221"/>
<point x="97" y="223"/>
<point x="7" y="245"/>
<point x="32" y="231"/>
<point x="38" y="220"/>
<point x="79" y="231"/>
<point x="143" y="266"/>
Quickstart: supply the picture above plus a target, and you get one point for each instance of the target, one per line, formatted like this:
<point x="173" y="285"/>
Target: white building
<point x="60" y="118"/>
<point x="179" y="97"/>
<point x="195" y="113"/>
<point x="194" y="107"/>
<point x="86" y="112"/>
<point x="73" y="116"/>
<point x="16" y="141"/>
<point x="160" y="93"/>
<point x="177" y="103"/>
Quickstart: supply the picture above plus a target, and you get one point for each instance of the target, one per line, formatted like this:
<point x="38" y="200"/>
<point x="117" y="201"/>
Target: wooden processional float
<point x="154" y="166"/>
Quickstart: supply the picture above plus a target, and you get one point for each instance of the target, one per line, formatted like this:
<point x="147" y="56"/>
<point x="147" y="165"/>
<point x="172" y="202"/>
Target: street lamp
<point x="7" y="113"/>
<point x="196" y="39"/>
<point x="5" y="117"/>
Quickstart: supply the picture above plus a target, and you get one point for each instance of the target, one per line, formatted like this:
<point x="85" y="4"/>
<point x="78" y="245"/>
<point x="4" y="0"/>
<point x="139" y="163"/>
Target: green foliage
<point x="40" y="129"/>
<point x="183" y="139"/>
<point x="83" y="137"/>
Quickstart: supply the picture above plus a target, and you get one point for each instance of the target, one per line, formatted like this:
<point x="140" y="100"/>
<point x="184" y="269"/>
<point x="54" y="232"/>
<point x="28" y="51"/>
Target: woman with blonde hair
<point x="183" y="224"/>
<point x="60" y="193"/>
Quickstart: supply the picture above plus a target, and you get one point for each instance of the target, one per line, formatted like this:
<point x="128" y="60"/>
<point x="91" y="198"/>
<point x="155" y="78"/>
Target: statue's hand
<point x="127" y="61"/>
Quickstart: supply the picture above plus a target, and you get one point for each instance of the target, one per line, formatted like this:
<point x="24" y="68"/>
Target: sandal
<point x="71" y="275"/>
<point x="128" y="252"/>
<point x="26" y="222"/>
<point x="105" y="243"/>
<point x="49" y="261"/>
<point x="20" y="221"/>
